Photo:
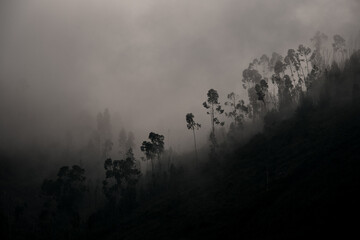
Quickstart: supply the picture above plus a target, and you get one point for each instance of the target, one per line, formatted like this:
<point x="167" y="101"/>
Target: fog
<point x="149" y="62"/>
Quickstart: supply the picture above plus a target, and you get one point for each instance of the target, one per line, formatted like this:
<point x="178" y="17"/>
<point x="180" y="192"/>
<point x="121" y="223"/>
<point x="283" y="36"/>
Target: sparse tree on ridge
<point x="214" y="107"/>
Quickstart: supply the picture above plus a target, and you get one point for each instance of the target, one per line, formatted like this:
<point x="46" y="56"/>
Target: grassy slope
<point x="313" y="169"/>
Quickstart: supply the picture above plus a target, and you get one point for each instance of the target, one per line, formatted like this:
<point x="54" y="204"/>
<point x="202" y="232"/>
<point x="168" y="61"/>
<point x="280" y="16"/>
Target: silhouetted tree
<point x="191" y="124"/>
<point x="213" y="104"/>
<point x="154" y="148"/>
<point x="121" y="178"/>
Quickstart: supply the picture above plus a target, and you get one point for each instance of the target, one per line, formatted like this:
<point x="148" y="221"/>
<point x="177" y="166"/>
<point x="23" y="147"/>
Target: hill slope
<point x="298" y="179"/>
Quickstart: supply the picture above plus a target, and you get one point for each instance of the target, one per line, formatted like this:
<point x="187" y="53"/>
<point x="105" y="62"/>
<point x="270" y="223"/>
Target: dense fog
<point x="149" y="62"/>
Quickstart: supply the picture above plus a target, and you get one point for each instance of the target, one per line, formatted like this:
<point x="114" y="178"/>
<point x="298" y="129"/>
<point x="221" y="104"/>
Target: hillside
<point x="310" y="162"/>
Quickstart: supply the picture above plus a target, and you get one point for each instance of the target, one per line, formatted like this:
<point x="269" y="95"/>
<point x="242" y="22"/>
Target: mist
<point x="148" y="62"/>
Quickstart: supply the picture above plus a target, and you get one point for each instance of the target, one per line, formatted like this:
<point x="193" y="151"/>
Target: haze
<point x="149" y="62"/>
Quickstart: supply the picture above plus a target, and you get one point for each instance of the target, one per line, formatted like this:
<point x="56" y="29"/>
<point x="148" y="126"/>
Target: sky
<point x="148" y="61"/>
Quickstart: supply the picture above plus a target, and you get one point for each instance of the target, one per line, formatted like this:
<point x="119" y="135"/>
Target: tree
<point x="261" y="90"/>
<point x="264" y="63"/>
<point x="68" y="192"/>
<point x="305" y="52"/>
<point x="191" y="124"/>
<point x="120" y="182"/>
<point x="250" y="77"/>
<point x="237" y="108"/>
<point x="215" y="108"/>
<point x="285" y="89"/>
<point x="275" y="57"/>
<point x="288" y="62"/>
<point x="339" y="47"/>
<point x="293" y="61"/>
<point x="154" y="148"/>
<point x="317" y="58"/>
<point x="279" y="68"/>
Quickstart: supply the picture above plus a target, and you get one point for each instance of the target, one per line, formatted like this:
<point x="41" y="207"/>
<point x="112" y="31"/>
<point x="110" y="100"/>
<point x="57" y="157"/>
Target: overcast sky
<point x="149" y="61"/>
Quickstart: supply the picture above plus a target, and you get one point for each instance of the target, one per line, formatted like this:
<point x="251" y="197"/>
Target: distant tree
<point x="285" y="89"/>
<point x="279" y="68"/>
<point x="122" y="142"/>
<point x="264" y="63"/>
<point x="192" y="125"/>
<point x="261" y="90"/>
<point x="275" y="57"/>
<point x="130" y="142"/>
<point x="107" y="148"/>
<point x="305" y="52"/>
<point x="255" y="106"/>
<point x="154" y="148"/>
<point x="238" y="109"/>
<point x="288" y="63"/>
<point x="317" y="58"/>
<point x="339" y="47"/>
<point x="250" y="77"/>
<point x="103" y="131"/>
<point x="299" y="65"/>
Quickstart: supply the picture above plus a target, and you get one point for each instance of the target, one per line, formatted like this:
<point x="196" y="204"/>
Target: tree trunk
<point x="196" y="153"/>
<point x="212" y="119"/>
<point x="235" y="121"/>
<point x="307" y="65"/>
<point x="152" y="166"/>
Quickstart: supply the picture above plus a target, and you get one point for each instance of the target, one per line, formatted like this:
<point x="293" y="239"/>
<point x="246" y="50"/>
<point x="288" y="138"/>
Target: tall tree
<point x="154" y="148"/>
<point x="191" y="124"/>
<point x="214" y="107"/>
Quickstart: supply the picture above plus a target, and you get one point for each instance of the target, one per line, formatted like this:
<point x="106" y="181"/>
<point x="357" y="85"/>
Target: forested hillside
<point x="298" y="179"/>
